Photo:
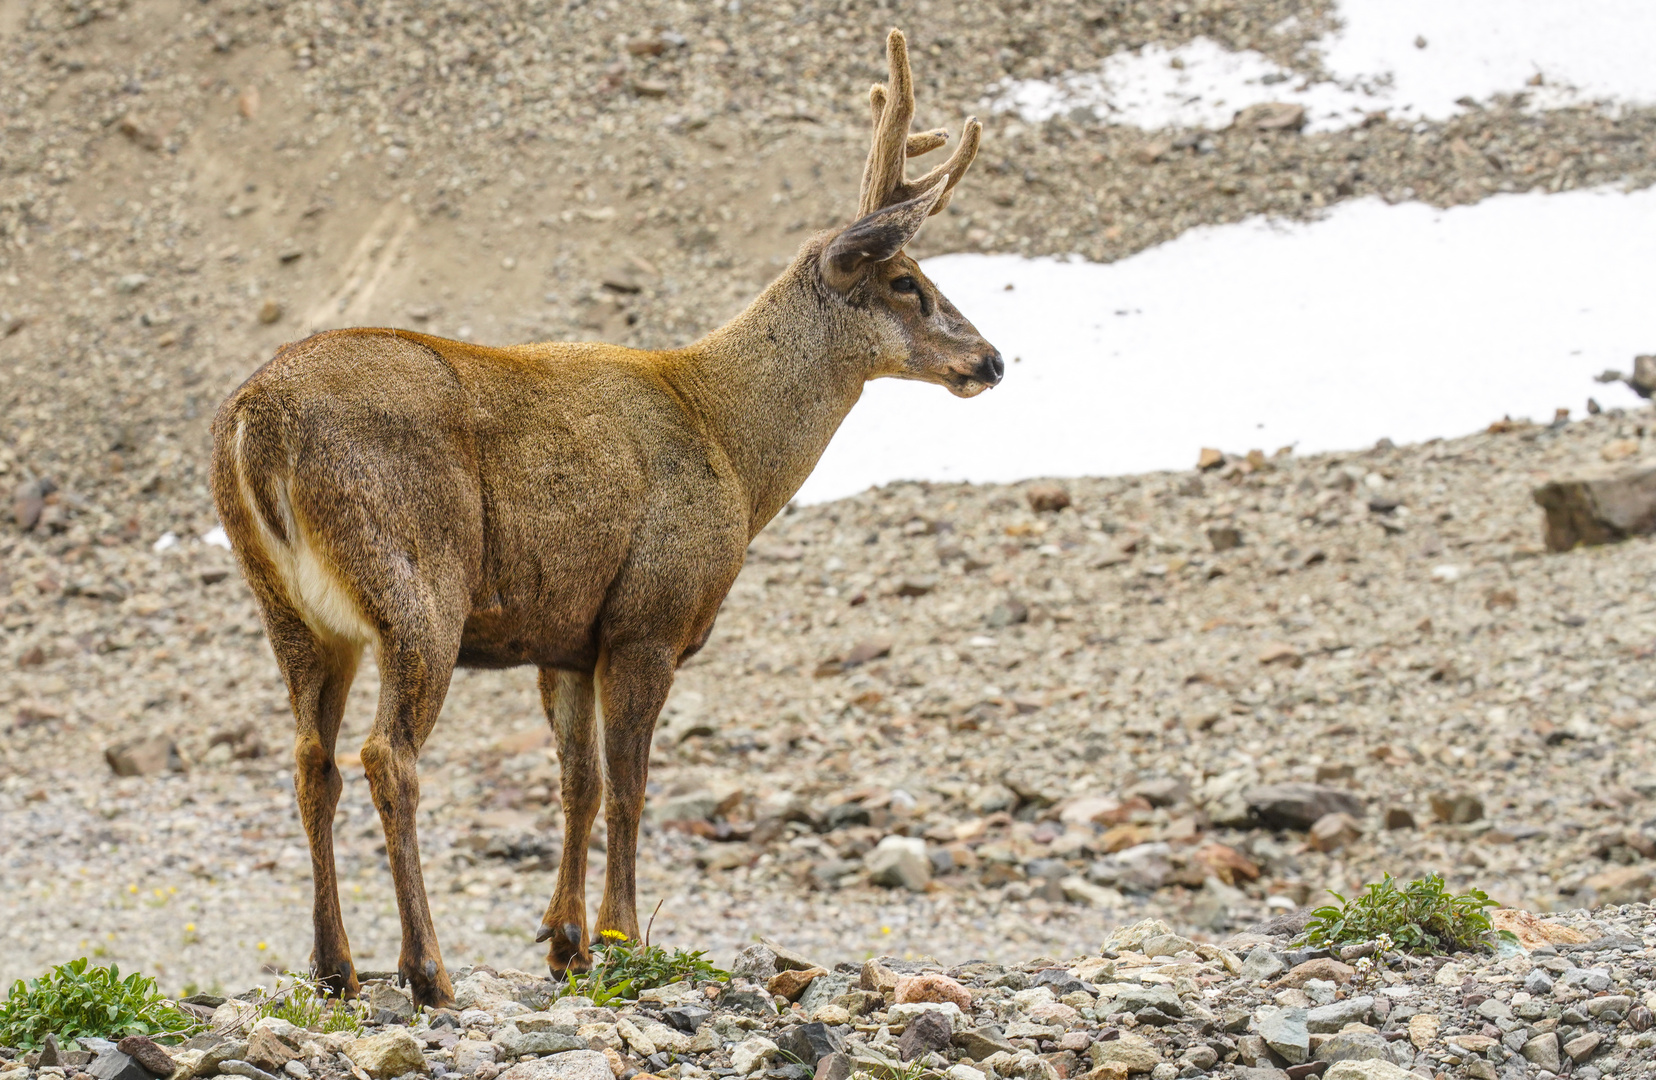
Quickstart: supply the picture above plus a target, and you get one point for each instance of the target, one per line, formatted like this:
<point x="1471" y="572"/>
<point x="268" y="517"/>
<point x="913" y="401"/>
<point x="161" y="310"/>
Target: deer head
<point x="918" y="333"/>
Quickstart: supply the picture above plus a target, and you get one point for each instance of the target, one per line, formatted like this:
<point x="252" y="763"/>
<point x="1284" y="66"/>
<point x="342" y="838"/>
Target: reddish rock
<point x="933" y="988"/>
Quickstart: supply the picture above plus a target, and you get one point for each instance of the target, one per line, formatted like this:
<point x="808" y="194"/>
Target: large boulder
<point x="1599" y="506"/>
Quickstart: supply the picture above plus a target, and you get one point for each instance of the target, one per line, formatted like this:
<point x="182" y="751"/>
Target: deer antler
<point x="883" y="182"/>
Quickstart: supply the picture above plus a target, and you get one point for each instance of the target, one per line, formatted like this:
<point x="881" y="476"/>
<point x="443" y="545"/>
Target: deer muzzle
<point x="990" y="368"/>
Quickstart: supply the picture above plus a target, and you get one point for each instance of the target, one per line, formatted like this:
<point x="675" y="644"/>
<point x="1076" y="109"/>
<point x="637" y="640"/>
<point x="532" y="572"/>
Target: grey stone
<point x="1337" y="1014"/>
<point x="983" y="1042"/>
<point x="899" y="862"/>
<point x="1262" y="963"/>
<point x="1494" y="1009"/>
<point x="517" y="1043"/>
<point x="690" y="1018"/>
<point x="752" y="1002"/>
<point x="1131" y="998"/>
<point x="1543" y="1052"/>
<point x="1285" y="1031"/>
<point x="756" y="962"/>
<point x="216" y="1055"/>
<point x="1353" y="1046"/>
<point x="383" y="997"/>
<point x="144" y="757"/>
<point x="1251" y="1049"/>
<point x="468" y="1054"/>
<point x="925" y="1033"/>
<point x="1537" y="982"/>
<point x="1583" y="1047"/>
<point x="1601" y="506"/>
<point x="1297" y="805"/>
<point x="1612" y="1003"/>
<point x="114" y="1065"/>
<point x="834" y="1067"/>
<point x="825" y="988"/>
<point x="1200" y="1056"/>
<point x="1590" y="979"/>
<point x="810" y="1043"/>
<point x="1244" y="1072"/>
<point x="245" y="1069"/>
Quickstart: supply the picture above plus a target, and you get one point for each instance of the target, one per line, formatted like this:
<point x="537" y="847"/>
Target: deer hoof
<point x="572" y="932"/>
<point x="544" y="933"/>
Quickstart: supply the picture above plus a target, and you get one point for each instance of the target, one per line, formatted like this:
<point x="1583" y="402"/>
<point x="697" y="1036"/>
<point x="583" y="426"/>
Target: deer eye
<point x="905" y="284"/>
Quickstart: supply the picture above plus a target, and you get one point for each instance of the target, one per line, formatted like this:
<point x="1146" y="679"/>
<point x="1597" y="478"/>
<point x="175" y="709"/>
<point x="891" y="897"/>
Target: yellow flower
<point x="133" y="888"/>
<point x="885" y="929"/>
<point x="189" y="928"/>
<point x="262" y="946"/>
<point x="612" y="935"/>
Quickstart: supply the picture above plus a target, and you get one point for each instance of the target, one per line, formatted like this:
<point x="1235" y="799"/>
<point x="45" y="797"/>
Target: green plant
<point x="908" y="1070"/>
<point x="621" y="968"/>
<point x="75" y="1000"/>
<point x="1422" y="917"/>
<point x="303" y="1004"/>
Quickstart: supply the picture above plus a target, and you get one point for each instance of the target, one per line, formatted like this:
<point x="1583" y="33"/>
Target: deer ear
<point x="877" y="237"/>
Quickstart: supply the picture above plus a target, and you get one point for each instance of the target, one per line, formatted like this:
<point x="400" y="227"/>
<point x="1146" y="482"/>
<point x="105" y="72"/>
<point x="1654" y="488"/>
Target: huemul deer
<point x="582" y="508"/>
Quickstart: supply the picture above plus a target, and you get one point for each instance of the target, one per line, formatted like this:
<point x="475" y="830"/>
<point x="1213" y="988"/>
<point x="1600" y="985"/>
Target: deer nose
<point x="990" y="368"/>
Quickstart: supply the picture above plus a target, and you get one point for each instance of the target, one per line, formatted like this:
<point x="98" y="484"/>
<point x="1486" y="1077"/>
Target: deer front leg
<point x="567" y="698"/>
<point x="411" y="695"/>
<point x="635" y="682"/>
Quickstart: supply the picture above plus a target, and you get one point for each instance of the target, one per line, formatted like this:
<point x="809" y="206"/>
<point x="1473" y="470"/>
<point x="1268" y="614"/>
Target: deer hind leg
<point x="634" y="682"/>
<point x="414" y="680"/>
<point x="568" y="699"/>
<point x="318" y="674"/>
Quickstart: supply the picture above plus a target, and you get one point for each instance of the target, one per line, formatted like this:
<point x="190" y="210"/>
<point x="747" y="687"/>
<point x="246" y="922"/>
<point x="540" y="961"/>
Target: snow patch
<point x="1404" y="321"/>
<point x="1473" y="49"/>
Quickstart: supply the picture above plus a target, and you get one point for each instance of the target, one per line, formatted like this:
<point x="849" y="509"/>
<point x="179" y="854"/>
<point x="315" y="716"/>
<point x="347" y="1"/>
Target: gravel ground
<point x="1075" y="706"/>
<point x="1570" y="997"/>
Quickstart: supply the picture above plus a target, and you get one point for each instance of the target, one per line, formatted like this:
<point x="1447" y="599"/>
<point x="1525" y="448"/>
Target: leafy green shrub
<point x="74" y="1000"/>
<point x="1421" y="917"/>
<point x="621" y="968"/>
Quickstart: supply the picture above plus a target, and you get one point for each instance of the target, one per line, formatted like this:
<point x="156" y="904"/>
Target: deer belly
<point x="501" y="637"/>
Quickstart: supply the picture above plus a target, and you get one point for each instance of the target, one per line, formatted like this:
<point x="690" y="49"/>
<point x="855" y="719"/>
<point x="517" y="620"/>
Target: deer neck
<point x="773" y="385"/>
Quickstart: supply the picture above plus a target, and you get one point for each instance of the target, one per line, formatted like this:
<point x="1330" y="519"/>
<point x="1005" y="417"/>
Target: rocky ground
<point x="1568" y="997"/>
<point x="934" y="720"/>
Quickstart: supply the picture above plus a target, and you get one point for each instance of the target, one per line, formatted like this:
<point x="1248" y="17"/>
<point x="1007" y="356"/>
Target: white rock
<point x="1078" y="890"/>
<point x="906" y="1012"/>
<point x="391" y="1053"/>
<point x="1373" y="1069"/>
<point x="570" y="1065"/>
<point x="641" y="1043"/>
<point x="899" y="861"/>
<point x="749" y="1056"/>
<point x="291" y="1034"/>
<point x="468" y="1054"/>
<point x="1035" y="995"/>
